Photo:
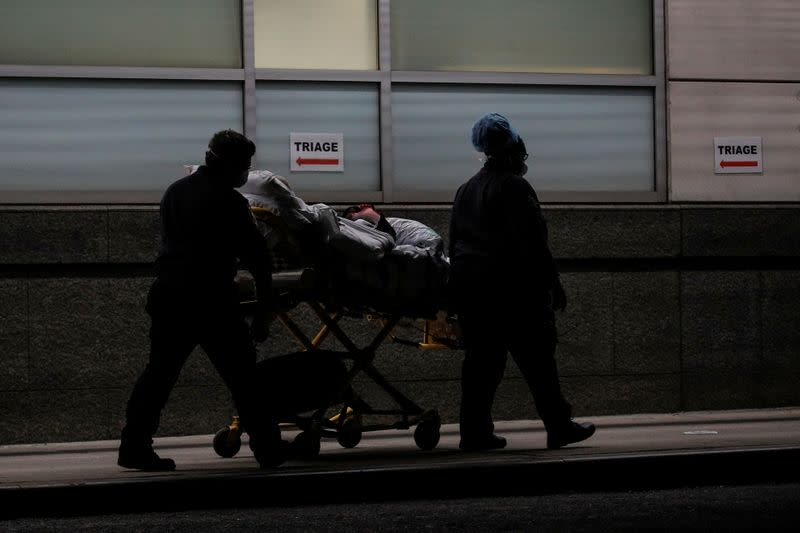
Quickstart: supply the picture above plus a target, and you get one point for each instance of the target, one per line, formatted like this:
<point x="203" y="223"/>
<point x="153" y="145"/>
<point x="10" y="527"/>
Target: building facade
<point x="664" y="136"/>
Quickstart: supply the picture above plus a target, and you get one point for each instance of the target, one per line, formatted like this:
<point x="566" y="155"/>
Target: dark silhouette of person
<point x="504" y="287"/>
<point x="207" y="234"/>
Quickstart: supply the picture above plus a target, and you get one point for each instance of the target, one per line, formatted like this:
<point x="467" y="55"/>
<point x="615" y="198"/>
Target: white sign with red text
<point x="316" y="152"/>
<point x="737" y="155"/>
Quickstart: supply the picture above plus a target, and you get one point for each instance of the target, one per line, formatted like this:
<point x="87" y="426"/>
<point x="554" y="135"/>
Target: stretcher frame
<point x="347" y="426"/>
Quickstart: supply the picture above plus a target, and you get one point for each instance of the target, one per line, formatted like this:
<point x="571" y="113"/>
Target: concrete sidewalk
<point x="627" y="452"/>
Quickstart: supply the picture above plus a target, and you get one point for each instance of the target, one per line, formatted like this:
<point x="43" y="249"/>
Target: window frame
<point x="385" y="78"/>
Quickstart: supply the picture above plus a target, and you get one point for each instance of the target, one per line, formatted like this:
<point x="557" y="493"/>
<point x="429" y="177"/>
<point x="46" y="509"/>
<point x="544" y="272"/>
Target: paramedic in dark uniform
<point x="505" y="287"/>
<point x="206" y="231"/>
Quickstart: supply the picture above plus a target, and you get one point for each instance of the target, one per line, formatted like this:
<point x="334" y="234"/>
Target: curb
<point x="641" y="471"/>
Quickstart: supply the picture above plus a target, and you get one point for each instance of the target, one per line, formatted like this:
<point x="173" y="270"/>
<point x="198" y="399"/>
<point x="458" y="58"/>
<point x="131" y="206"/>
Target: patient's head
<point x="362" y="211"/>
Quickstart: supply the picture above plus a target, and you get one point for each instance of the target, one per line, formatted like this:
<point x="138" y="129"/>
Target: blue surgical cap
<point x="492" y="134"/>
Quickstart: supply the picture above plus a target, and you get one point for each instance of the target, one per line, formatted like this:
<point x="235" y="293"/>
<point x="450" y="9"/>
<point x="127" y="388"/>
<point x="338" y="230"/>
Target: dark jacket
<point x="498" y="238"/>
<point x="207" y="229"/>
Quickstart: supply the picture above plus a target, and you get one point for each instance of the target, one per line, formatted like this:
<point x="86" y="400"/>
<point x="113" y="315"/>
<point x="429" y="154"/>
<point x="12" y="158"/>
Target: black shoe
<point x="488" y="442"/>
<point x="569" y="433"/>
<point x="273" y="455"/>
<point x="143" y="458"/>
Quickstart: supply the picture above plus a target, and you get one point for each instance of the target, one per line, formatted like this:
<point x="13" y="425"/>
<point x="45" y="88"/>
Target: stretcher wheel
<point x="306" y="444"/>
<point x="349" y="434"/>
<point x="227" y="442"/>
<point x="426" y="434"/>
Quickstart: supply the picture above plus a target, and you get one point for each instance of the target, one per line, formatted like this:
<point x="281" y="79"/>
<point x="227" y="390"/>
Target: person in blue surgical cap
<point x="505" y="287"/>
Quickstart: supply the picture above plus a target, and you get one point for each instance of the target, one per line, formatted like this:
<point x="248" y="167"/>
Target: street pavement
<point x="628" y="452"/>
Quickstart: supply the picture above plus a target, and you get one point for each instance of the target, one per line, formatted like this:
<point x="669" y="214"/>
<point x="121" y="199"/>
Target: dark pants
<point x="490" y="332"/>
<point x="180" y="321"/>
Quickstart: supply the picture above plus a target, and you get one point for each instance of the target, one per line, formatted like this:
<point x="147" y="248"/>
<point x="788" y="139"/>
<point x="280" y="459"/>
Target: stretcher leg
<point x="347" y="425"/>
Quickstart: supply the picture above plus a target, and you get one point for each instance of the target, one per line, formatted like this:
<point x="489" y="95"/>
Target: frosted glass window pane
<point x="141" y="33"/>
<point x="80" y="135"/>
<point x="347" y="108"/>
<point x="316" y="34"/>
<point x="580" y="139"/>
<point x="565" y="36"/>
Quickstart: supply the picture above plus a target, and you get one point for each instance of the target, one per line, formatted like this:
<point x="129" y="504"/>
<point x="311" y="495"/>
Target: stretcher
<point x="313" y="388"/>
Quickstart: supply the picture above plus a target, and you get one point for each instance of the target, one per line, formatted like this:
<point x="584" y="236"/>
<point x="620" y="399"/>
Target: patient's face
<point x="364" y="211"/>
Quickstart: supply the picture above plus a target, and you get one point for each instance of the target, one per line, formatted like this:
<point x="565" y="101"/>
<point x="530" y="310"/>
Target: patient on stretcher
<point x="394" y="263"/>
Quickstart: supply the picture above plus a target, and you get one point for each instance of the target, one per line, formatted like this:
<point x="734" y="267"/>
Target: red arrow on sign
<point x="724" y="164"/>
<point x="308" y="161"/>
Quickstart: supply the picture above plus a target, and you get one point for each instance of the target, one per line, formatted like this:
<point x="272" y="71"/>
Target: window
<point x="350" y="109"/>
<point x="108" y="135"/>
<point x="578" y="138"/>
<point x="144" y="33"/>
<point x="314" y="34"/>
<point x="102" y="101"/>
<point x="568" y="36"/>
